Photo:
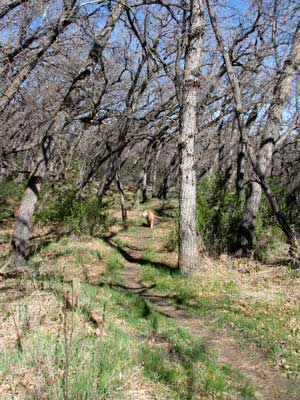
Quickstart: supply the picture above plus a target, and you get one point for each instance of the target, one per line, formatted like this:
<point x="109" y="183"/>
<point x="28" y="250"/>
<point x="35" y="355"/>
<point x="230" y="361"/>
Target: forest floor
<point x="110" y="317"/>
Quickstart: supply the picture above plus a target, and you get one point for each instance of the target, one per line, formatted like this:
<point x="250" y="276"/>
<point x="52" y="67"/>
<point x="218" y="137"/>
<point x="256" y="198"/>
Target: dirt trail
<point x="269" y="384"/>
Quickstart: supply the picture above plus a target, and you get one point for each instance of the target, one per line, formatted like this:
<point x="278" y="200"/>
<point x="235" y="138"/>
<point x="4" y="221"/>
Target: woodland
<point x="183" y="111"/>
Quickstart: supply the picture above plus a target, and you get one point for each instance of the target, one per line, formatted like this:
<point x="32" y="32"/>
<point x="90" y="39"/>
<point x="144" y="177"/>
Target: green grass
<point x="4" y="237"/>
<point x="137" y="345"/>
<point x="96" y="368"/>
<point x="113" y="269"/>
<point x="266" y="324"/>
<point x="174" y="362"/>
<point x="184" y="364"/>
<point x="156" y="367"/>
<point x="149" y="254"/>
<point x="113" y="264"/>
<point x="269" y="325"/>
<point x="101" y="367"/>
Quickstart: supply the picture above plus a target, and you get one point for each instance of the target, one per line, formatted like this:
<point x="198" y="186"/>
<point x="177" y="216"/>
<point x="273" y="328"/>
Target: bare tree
<point x="188" y="256"/>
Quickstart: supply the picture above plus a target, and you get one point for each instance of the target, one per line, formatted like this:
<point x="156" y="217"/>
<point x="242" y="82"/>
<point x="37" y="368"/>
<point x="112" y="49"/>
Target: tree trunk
<point x="141" y="191"/>
<point x="154" y="171"/>
<point x="228" y="162"/>
<point x="137" y="198"/>
<point x="122" y="199"/>
<point x="20" y="237"/>
<point x="105" y="185"/>
<point x="165" y="185"/>
<point x="188" y="252"/>
<point x="240" y="170"/>
<point x="144" y="191"/>
<point x="247" y="228"/>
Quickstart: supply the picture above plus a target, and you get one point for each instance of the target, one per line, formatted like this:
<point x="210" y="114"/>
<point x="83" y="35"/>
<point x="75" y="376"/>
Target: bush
<point x="10" y="189"/>
<point x="172" y="239"/>
<point x="219" y="214"/>
<point x="288" y="204"/>
<point x="10" y="195"/>
<point x="80" y="216"/>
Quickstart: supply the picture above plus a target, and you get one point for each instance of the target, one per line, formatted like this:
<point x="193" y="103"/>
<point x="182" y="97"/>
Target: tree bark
<point x="122" y="199"/>
<point x="105" y="185"/>
<point x="154" y="171"/>
<point x="240" y="170"/>
<point x="141" y="191"/>
<point x="165" y="185"/>
<point x="247" y="228"/>
<point x="188" y="252"/>
<point x="20" y="237"/>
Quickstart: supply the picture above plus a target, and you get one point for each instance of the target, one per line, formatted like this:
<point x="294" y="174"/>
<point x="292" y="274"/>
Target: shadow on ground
<point x="138" y="260"/>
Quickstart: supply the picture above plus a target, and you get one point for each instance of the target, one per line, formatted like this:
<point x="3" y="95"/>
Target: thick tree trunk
<point x="164" y="188"/>
<point x="141" y="191"/>
<point x="122" y="199"/>
<point x="137" y="198"/>
<point x="144" y="190"/>
<point x="20" y="237"/>
<point x="154" y="172"/>
<point x="165" y="185"/>
<point x="106" y="184"/>
<point x="188" y="254"/>
<point x="228" y="170"/>
<point x="247" y="228"/>
<point x="240" y="170"/>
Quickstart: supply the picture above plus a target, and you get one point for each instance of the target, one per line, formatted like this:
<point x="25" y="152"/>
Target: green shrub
<point x="79" y="215"/>
<point x="219" y="214"/>
<point x="10" y="196"/>
<point x="171" y="243"/>
<point x="58" y="208"/>
<point x="172" y="240"/>
<point x="288" y="204"/>
<point x="10" y="189"/>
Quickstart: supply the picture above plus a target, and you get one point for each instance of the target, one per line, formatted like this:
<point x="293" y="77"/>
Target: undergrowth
<point x="104" y="342"/>
<point x="271" y="321"/>
<point x="79" y="215"/>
